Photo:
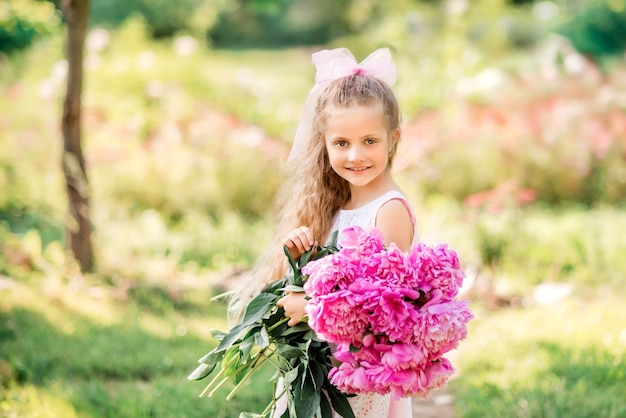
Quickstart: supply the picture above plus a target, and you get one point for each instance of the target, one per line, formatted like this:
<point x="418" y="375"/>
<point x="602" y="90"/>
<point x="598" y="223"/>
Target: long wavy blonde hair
<point x="313" y="193"/>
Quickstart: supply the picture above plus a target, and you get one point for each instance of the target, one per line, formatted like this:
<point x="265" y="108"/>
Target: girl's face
<point x="358" y="143"/>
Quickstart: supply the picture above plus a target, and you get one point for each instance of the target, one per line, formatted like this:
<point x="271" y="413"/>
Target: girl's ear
<point x="393" y="139"/>
<point x="395" y="136"/>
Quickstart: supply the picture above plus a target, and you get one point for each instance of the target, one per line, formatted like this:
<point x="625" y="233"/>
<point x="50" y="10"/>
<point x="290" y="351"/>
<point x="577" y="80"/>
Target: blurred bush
<point x="557" y="127"/>
<point x="282" y="22"/>
<point x="23" y="21"/>
<point x="598" y="29"/>
<point x="163" y="18"/>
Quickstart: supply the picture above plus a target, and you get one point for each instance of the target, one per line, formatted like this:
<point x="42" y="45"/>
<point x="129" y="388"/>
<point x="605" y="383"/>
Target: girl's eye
<point x="370" y="141"/>
<point x="341" y="143"/>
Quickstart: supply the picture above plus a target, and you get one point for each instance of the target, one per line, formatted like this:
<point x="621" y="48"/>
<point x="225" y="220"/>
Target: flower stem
<point x="257" y="362"/>
<point x="272" y="404"/>
<point x="276" y="325"/>
<point x="216" y="378"/>
<point x="268" y="357"/>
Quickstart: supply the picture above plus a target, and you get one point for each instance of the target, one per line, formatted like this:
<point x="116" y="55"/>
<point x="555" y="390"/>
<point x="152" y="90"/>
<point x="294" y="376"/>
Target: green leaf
<point x="233" y="335"/>
<point x="280" y="329"/>
<point x="325" y="409"/>
<point x="261" y="338"/>
<point x="317" y="374"/>
<point x="258" y="307"/>
<point x="290" y="377"/>
<point x="339" y="402"/>
<point x="230" y="363"/>
<point x="202" y="371"/>
<point x="308" y="399"/>
<point x="305" y="257"/>
<point x="218" y="335"/>
<point x="275" y="287"/>
<point x="212" y="357"/>
<point x="289" y="352"/>
<point x="241" y="374"/>
<point x="300" y="327"/>
<point x="333" y="238"/>
<point x="246" y="347"/>
<point x="310" y="335"/>
<point x="292" y="262"/>
<point x="293" y="288"/>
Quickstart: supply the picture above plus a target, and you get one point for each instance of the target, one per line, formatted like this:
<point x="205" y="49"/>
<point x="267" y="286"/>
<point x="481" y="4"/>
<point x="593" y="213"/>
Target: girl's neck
<point x="360" y="196"/>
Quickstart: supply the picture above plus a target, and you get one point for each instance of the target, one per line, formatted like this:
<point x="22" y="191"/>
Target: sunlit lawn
<point x="78" y="350"/>
<point x="565" y="360"/>
<point x="72" y="351"/>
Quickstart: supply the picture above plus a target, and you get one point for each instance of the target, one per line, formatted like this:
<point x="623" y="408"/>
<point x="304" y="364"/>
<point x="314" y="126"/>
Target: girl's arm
<point x="396" y="223"/>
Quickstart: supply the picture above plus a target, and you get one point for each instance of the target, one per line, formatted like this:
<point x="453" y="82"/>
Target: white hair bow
<point x="335" y="63"/>
<point x="330" y="65"/>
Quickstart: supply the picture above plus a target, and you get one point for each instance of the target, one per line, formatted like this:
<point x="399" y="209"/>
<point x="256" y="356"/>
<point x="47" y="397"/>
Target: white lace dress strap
<point x="365" y="216"/>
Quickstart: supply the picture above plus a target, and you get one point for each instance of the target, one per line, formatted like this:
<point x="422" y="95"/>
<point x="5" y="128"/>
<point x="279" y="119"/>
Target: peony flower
<point x="436" y="269"/>
<point x="393" y="265"/>
<point x="329" y="273"/>
<point x="337" y="317"/>
<point x="404" y="356"/>
<point x="350" y="378"/>
<point x="363" y="242"/>
<point x="443" y="325"/>
<point x="391" y="314"/>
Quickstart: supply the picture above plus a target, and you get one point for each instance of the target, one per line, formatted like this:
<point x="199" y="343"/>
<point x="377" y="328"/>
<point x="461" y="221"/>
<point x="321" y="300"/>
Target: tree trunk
<point x="78" y="226"/>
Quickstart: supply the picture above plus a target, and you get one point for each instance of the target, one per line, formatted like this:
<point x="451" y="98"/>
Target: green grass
<point x="69" y="351"/>
<point x="565" y="360"/>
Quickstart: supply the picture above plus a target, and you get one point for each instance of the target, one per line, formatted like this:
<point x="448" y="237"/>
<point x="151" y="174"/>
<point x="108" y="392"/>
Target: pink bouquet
<point x="391" y="315"/>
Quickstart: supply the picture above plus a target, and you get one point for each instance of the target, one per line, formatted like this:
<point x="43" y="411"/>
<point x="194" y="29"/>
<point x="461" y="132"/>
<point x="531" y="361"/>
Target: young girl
<point x="339" y="176"/>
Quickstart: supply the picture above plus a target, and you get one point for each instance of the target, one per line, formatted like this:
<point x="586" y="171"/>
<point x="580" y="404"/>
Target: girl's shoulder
<point x="379" y="211"/>
<point x="396" y="218"/>
<point x="395" y="203"/>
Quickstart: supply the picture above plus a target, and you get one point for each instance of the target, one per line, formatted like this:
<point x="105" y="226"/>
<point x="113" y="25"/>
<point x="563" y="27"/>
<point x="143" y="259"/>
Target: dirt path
<point x="440" y="404"/>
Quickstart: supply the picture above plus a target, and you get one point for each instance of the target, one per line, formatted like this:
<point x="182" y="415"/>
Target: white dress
<point x="373" y="405"/>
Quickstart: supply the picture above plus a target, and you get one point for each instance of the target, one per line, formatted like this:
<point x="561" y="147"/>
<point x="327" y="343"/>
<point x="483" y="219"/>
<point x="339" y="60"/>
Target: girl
<point x="339" y="176"/>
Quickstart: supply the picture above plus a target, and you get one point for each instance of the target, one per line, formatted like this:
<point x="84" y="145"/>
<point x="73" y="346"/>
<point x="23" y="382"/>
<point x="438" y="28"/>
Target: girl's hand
<point x="293" y="303"/>
<point x="299" y="241"/>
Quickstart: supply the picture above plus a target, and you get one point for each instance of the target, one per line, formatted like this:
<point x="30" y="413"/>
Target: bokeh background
<point x="513" y="152"/>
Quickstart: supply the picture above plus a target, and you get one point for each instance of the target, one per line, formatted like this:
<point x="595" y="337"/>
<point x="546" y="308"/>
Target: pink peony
<point x="363" y="242"/>
<point x="436" y="269"/>
<point x="404" y="356"/>
<point x="393" y="265"/>
<point x="337" y="317"/>
<point x="392" y="315"/>
<point x="350" y="378"/>
<point x="443" y="325"/>
<point x="330" y="273"/>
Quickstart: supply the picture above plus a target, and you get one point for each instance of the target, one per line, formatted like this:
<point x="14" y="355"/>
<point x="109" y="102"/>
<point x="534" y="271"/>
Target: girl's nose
<point x="355" y="154"/>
